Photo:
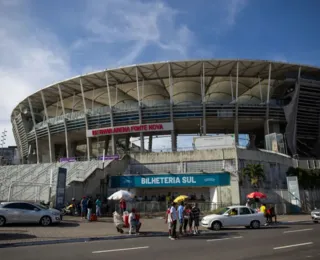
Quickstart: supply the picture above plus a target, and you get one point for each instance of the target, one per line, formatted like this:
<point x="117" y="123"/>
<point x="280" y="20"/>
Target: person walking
<point x="98" y="207"/>
<point x="83" y="205"/>
<point x="89" y="206"/>
<point x="174" y="218"/>
<point x="180" y="214"/>
<point x="196" y="218"/>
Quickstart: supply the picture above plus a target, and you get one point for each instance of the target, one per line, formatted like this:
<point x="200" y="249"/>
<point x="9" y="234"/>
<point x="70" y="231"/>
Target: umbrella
<point x="121" y="194"/>
<point x="180" y="198"/>
<point x="256" y="195"/>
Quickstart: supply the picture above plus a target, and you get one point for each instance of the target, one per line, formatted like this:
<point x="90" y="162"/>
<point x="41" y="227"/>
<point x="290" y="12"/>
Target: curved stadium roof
<point x="220" y="84"/>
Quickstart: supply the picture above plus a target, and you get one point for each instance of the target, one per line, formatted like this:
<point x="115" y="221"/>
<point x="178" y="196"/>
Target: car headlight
<point x="55" y="213"/>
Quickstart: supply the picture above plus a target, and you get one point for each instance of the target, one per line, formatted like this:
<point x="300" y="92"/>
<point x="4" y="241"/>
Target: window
<point x="253" y="211"/>
<point x="27" y="206"/>
<point x="245" y="211"/>
<point x="12" y="206"/>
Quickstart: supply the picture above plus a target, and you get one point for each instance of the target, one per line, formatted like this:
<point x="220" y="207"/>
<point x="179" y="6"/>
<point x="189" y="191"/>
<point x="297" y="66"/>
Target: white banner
<point x="213" y="142"/>
<point x="155" y="127"/>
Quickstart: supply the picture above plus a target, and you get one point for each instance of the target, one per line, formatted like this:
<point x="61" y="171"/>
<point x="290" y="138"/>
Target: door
<point x="245" y="216"/>
<point x="29" y="213"/>
<point x="12" y="212"/>
<point x="231" y="217"/>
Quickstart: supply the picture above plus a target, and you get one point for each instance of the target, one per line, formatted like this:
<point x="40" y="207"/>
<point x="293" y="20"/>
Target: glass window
<point x="27" y="206"/>
<point x="245" y="211"/>
<point x="253" y="211"/>
<point x="12" y="206"/>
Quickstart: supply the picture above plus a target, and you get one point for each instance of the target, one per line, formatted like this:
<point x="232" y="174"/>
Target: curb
<point x="80" y="240"/>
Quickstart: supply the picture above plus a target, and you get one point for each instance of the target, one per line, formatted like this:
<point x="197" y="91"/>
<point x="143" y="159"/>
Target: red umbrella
<point x="256" y="195"/>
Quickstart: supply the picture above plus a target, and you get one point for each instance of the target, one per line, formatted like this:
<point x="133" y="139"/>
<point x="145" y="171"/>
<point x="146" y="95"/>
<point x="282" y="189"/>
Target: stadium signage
<point x="156" y="127"/>
<point x="171" y="180"/>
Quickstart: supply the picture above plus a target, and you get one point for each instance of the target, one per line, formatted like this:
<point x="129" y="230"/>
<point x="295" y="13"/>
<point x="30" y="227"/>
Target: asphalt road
<point x="294" y="242"/>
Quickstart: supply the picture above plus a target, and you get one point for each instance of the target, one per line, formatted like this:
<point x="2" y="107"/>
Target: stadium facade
<point x="96" y="114"/>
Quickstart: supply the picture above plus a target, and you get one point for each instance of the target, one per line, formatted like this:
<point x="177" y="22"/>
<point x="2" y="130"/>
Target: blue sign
<point x="171" y="180"/>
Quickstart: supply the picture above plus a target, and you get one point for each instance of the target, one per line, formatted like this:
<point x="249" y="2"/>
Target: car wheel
<point x="315" y="221"/>
<point x="45" y="221"/>
<point x="2" y="221"/>
<point x="216" y="225"/>
<point x="255" y="224"/>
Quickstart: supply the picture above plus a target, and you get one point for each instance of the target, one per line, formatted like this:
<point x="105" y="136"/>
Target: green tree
<point x="255" y="174"/>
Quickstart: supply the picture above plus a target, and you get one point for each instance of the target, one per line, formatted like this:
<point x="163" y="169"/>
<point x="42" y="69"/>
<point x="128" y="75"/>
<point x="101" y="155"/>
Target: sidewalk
<point x="75" y="228"/>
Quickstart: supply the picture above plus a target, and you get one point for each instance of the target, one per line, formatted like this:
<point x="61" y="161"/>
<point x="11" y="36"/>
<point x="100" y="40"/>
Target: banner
<point x="61" y="188"/>
<point x="156" y="127"/>
<point x="171" y="180"/>
<point x="110" y="157"/>
<point x="72" y="159"/>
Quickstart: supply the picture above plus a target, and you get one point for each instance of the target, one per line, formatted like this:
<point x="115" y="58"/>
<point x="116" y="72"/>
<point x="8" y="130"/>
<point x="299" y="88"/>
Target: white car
<point x="315" y="215"/>
<point x="24" y="212"/>
<point x="234" y="216"/>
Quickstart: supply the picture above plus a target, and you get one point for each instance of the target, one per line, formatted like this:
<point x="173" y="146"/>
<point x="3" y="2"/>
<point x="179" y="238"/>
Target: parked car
<point x="234" y="216"/>
<point x="25" y="212"/>
<point x="315" y="215"/>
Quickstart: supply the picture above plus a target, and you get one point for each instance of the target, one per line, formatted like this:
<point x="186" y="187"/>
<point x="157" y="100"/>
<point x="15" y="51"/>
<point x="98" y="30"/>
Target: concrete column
<point x="173" y="141"/>
<point x="141" y="142"/>
<point x="127" y="143"/>
<point x="114" y="144"/>
<point x="72" y="147"/>
<point x="89" y="147"/>
<point x="215" y="199"/>
<point x="106" y="143"/>
<point x="150" y="143"/>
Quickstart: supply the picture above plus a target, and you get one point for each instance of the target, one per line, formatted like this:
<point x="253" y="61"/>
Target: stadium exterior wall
<point x="195" y="97"/>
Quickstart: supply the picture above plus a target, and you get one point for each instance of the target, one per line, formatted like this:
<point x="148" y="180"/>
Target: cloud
<point x="234" y="8"/>
<point x="128" y="28"/>
<point x="30" y="59"/>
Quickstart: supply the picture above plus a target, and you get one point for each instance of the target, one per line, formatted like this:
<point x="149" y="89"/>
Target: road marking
<point x="121" y="249"/>
<point x="226" y="238"/>
<point x="298" y="230"/>
<point x="296" y="245"/>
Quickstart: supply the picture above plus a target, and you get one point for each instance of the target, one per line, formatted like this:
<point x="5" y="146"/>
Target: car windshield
<point x="221" y="211"/>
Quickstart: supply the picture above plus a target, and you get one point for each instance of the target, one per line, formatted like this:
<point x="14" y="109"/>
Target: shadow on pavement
<point x="62" y="225"/>
<point x="15" y="236"/>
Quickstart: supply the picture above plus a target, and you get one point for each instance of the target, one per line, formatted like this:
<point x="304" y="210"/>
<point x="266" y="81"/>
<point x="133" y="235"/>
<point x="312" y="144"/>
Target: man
<point x="180" y="214"/>
<point x="83" y="205"/>
<point x="98" y="207"/>
<point x="174" y="218"/>
<point x="89" y="205"/>
<point x="263" y="209"/>
<point x="196" y="218"/>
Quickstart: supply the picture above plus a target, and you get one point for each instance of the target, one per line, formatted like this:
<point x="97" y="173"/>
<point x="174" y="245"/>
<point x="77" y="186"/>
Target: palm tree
<point x="255" y="174"/>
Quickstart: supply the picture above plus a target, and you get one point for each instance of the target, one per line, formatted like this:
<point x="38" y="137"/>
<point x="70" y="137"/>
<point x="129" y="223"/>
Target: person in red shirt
<point x="123" y="206"/>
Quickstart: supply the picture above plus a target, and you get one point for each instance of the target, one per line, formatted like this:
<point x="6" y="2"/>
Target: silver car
<point x="24" y="212"/>
<point x="315" y="215"/>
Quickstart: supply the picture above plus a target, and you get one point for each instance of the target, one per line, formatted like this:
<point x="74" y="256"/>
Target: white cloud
<point x="30" y="58"/>
<point x="234" y="7"/>
<point x="137" y="24"/>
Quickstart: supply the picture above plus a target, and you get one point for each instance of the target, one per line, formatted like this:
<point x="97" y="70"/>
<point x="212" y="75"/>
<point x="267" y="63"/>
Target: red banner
<point x="156" y="127"/>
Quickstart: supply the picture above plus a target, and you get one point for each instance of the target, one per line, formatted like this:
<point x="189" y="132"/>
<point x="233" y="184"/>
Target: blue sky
<point x="46" y="41"/>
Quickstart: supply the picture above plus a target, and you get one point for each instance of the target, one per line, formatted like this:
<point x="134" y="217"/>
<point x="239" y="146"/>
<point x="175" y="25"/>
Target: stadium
<point x="86" y="124"/>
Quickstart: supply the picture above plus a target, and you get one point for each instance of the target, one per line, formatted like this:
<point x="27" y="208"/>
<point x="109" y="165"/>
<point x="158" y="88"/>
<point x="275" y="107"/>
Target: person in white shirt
<point x="174" y="219"/>
<point x="132" y="221"/>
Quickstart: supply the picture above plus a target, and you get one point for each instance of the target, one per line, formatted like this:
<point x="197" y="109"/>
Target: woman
<point x="186" y="218"/>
